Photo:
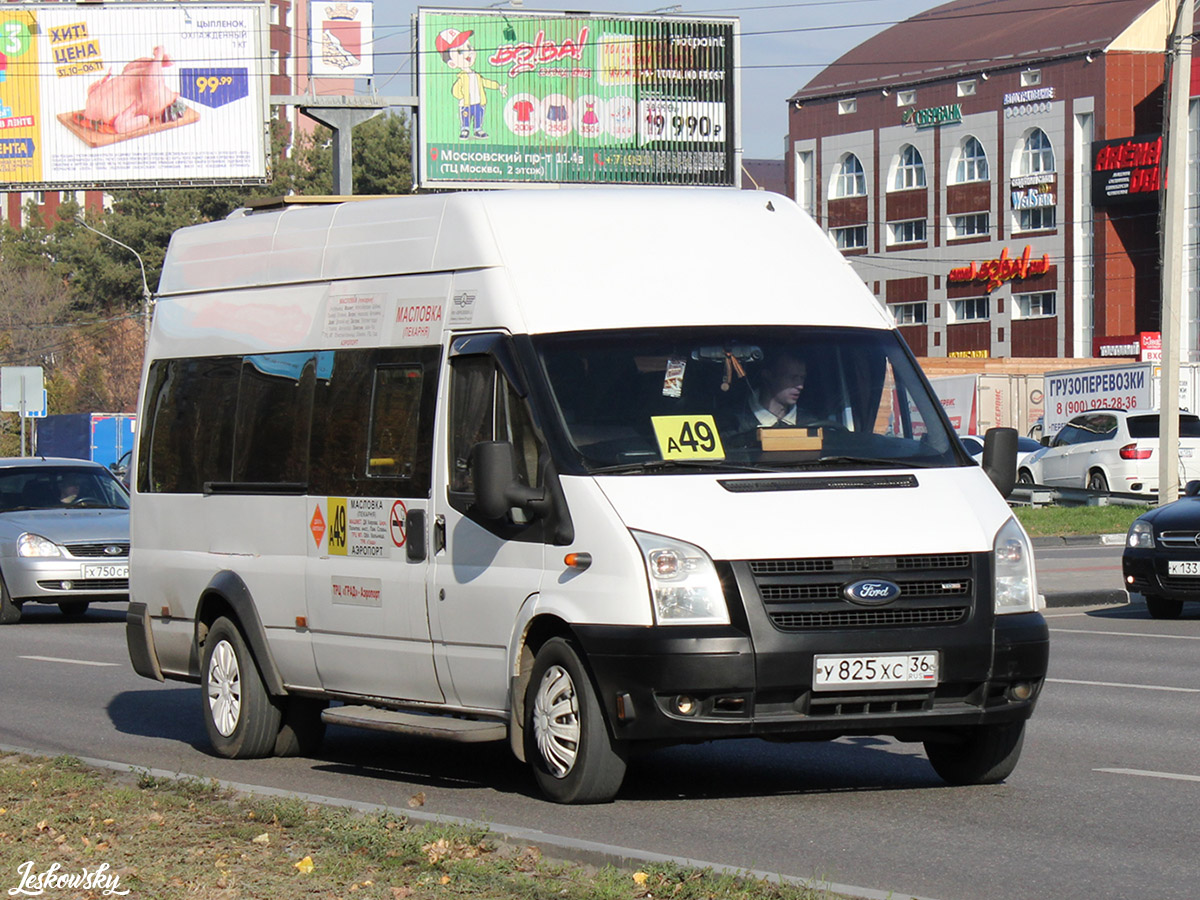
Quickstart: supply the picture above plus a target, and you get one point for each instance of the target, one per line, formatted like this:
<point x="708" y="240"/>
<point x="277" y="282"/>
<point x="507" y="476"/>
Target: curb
<point x="1080" y="540"/>
<point x="1086" y="598"/>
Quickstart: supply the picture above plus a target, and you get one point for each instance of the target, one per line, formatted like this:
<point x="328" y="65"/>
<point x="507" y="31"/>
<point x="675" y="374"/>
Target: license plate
<point x="1183" y="567"/>
<point x="106" y="571"/>
<point x="1185" y="452"/>
<point x="835" y="673"/>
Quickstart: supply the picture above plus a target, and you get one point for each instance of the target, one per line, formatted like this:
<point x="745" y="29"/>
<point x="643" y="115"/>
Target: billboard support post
<point x="341" y="114"/>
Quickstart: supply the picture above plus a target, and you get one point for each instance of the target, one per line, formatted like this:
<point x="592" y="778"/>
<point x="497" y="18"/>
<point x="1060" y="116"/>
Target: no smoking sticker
<point x="396" y="523"/>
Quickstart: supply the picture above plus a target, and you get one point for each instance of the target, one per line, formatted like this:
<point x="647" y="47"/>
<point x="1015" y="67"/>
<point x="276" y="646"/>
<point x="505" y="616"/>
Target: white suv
<point x="1111" y="450"/>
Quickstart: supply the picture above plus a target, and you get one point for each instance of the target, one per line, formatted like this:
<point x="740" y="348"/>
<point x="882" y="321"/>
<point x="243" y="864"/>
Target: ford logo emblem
<point x="872" y="592"/>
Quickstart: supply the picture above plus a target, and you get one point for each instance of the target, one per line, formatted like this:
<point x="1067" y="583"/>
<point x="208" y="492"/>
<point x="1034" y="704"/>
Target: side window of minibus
<point x="485" y="407"/>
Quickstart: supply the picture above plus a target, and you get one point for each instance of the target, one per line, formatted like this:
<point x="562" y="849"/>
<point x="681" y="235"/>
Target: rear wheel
<point x="1097" y="482"/>
<point x="1024" y="477"/>
<point x="240" y="717"/>
<point x="566" y="740"/>
<point x="10" y="613"/>
<point x="73" y="608"/>
<point x="982" y="754"/>
<point x="1163" y="607"/>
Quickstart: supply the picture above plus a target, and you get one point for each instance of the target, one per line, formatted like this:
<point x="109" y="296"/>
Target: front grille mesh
<point x="810" y="594"/>
<point x="96" y="551"/>
<point x="867" y="618"/>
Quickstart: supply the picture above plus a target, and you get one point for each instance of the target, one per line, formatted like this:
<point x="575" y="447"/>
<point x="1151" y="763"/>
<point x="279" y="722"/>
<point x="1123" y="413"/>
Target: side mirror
<point x="1000" y="458"/>
<point x="497" y="489"/>
<point x="1045" y="441"/>
<point x="1191" y="489"/>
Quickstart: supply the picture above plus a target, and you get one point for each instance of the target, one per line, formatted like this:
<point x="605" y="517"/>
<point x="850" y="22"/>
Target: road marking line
<point x="1145" y="774"/>
<point x="1172" y="637"/>
<point x="1117" y="684"/>
<point x="74" y="662"/>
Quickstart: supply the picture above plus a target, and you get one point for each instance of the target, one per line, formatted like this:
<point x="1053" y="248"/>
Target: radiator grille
<point x="810" y="593"/>
<point x="96" y="551"/>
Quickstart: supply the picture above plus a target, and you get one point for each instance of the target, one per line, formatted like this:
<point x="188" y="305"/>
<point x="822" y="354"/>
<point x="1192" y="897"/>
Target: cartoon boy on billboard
<point x="470" y="88"/>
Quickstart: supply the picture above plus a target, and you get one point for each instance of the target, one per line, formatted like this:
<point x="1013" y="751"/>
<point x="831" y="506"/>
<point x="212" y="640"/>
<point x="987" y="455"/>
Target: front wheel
<point x="1163" y="607"/>
<point x="982" y="754"/>
<point x="566" y="740"/>
<point x="10" y="613"/>
<point x="241" y="720"/>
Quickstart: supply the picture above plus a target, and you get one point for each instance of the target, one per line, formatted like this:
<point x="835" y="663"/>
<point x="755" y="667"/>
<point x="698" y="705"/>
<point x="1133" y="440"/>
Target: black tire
<point x="1024" y="477"/>
<point x="240" y="717"/>
<point x="10" y="612"/>
<point x="302" y="731"/>
<point x="1097" y="482"/>
<point x="73" y="609"/>
<point x="576" y="761"/>
<point x="984" y="754"/>
<point x="1163" y="607"/>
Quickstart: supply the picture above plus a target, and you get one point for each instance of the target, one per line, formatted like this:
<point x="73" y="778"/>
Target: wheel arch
<point x="227" y="595"/>
<point x="537" y="630"/>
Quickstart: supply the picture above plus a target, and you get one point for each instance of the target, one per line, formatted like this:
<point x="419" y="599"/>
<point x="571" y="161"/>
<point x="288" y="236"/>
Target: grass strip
<point x="183" y="838"/>
<point x="1060" y="521"/>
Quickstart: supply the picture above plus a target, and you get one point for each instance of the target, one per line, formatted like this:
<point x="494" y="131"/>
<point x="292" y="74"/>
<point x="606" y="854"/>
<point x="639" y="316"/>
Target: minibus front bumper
<point x="674" y="684"/>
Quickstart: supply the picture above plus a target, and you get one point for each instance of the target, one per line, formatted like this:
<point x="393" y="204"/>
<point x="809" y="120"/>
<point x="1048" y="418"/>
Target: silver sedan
<point x="64" y="535"/>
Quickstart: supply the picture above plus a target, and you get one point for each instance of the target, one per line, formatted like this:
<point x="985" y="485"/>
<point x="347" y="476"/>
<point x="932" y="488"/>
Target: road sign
<point x="22" y="388"/>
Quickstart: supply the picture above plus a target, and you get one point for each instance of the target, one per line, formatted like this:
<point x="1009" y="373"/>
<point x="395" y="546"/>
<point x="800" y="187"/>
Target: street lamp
<point x="146" y="296"/>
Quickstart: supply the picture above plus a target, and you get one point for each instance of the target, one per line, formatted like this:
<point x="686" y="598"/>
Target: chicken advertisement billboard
<point x="131" y="94"/>
<point x="508" y="97"/>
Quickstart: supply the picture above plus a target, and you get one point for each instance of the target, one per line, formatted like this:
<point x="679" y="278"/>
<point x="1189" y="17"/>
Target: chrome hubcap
<point x="224" y="688"/>
<point x="556" y="725"/>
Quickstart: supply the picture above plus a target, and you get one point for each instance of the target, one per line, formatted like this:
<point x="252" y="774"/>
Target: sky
<point x="783" y="46"/>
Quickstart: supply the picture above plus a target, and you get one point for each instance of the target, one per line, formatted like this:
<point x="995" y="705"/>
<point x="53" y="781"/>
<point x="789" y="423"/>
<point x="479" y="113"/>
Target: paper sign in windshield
<point x="688" y="437"/>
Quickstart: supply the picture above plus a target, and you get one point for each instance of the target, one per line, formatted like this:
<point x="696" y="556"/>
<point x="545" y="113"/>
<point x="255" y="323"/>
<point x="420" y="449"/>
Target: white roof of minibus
<point x="576" y="258"/>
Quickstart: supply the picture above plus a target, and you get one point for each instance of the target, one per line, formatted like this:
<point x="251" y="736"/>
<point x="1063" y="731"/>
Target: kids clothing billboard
<point x="131" y="94"/>
<point x="509" y="97"/>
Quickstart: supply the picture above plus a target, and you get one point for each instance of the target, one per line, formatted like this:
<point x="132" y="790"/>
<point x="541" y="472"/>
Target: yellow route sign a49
<point x="688" y="437"/>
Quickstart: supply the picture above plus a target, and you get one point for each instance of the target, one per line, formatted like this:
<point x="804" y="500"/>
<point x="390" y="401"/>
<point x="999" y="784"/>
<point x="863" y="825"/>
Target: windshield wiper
<point x="866" y="462"/>
<point x="662" y="465"/>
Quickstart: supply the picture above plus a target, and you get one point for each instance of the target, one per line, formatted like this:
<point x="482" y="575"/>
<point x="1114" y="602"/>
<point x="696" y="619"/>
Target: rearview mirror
<point x="497" y="489"/>
<point x="1000" y="458"/>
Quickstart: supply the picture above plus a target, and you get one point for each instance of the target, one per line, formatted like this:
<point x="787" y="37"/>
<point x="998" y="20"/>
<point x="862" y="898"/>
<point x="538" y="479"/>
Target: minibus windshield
<point x="743" y="399"/>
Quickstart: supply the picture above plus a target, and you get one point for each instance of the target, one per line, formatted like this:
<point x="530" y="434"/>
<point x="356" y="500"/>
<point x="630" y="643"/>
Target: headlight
<point x="1141" y="535"/>
<point x="30" y="544"/>
<point x="684" y="585"/>
<point x="1015" y="587"/>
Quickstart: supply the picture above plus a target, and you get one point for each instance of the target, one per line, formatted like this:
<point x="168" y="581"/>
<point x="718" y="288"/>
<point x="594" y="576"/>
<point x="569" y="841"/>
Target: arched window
<point x="848" y="178"/>
<point x="1037" y="155"/>
<point x="972" y="162"/>
<point x="910" y="171"/>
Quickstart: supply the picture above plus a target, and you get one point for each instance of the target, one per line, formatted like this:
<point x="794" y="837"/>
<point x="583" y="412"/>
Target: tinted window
<point x="59" y="487"/>
<point x="274" y="412"/>
<point x="342" y="423"/>
<point x="190" y="431"/>
<point x="1147" y="426"/>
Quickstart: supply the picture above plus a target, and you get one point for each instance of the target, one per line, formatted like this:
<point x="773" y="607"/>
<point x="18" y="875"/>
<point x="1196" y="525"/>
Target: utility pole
<point x="1175" y="128"/>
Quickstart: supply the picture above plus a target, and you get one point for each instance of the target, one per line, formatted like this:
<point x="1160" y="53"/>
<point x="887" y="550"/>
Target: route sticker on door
<point x="358" y="526"/>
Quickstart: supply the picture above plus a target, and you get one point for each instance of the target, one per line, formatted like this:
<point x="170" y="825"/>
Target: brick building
<point x="950" y="157"/>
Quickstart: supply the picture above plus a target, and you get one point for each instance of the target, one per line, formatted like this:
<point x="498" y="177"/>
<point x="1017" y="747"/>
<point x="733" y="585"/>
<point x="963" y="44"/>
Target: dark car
<point x="1162" y="555"/>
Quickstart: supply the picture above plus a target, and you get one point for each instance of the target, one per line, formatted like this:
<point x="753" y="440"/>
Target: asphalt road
<point x="1103" y="804"/>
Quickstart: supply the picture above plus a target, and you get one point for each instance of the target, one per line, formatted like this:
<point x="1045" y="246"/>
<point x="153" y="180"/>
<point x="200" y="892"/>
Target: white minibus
<point x="591" y="471"/>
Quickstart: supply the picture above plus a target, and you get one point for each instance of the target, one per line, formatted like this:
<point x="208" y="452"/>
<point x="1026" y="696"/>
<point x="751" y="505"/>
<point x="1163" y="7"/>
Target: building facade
<point x="951" y="159"/>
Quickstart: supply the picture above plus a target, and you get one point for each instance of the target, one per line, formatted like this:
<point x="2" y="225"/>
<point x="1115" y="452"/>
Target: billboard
<point x="341" y="39"/>
<point x="1126" y="170"/>
<point x="572" y="98"/>
<point x="131" y="94"/>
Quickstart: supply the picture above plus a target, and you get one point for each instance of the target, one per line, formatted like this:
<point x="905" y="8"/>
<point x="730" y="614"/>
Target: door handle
<point x="439" y="534"/>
